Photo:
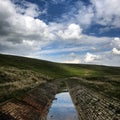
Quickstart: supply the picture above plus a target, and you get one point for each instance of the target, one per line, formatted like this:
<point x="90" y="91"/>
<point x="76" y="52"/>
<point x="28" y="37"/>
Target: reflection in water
<point x="62" y="108"/>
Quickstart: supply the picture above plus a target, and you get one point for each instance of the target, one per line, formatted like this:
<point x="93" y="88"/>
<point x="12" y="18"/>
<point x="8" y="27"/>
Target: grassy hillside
<point x="56" y="70"/>
<point x="19" y="74"/>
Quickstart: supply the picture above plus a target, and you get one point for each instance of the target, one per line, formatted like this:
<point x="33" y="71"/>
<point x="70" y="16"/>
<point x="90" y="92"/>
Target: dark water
<point x="62" y="108"/>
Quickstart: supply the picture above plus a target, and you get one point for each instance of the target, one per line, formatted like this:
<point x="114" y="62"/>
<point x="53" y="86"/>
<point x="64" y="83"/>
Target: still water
<point x="62" y="108"/>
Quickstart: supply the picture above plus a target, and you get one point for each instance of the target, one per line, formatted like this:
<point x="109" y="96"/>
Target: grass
<point x="56" y="70"/>
<point x="108" y="87"/>
<point x="19" y="74"/>
<point x="14" y="81"/>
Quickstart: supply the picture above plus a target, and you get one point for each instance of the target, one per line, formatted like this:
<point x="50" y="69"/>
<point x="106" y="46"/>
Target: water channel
<point x="62" y="108"/>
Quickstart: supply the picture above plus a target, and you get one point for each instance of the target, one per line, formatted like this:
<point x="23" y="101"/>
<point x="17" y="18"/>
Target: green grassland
<point x="20" y="74"/>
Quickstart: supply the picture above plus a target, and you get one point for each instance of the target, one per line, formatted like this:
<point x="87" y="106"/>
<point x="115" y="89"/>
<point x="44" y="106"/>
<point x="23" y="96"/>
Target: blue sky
<point x="69" y="31"/>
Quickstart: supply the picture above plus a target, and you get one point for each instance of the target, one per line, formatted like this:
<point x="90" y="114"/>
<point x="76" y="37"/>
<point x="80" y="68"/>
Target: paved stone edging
<point x="32" y="106"/>
<point x="35" y="104"/>
<point x="93" y="106"/>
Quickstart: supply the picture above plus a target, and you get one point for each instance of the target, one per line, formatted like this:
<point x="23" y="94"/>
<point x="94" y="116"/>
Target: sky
<point x="66" y="31"/>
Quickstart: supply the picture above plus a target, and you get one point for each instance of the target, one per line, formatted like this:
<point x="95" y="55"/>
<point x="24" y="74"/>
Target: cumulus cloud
<point x="22" y="33"/>
<point x="76" y="61"/>
<point x="85" y="15"/>
<point x="20" y="28"/>
<point x="116" y="51"/>
<point x="23" y="29"/>
<point x="107" y="12"/>
<point x="102" y="12"/>
<point x="116" y="42"/>
<point x="90" y="57"/>
<point x="73" y="32"/>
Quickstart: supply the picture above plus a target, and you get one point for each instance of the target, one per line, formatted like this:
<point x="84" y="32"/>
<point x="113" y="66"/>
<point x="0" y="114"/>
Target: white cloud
<point x="29" y="43"/>
<point x="86" y="43"/>
<point x="93" y="40"/>
<point x="84" y="15"/>
<point x="103" y="12"/>
<point x="108" y="58"/>
<point x="115" y="46"/>
<point x="116" y="51"/>
<point x="90" y="57"/>
<point x="73" y="32"/>
<point x="22" y="32"/>
<point x="116" y="43"/>
<point x="107" y="12"/>
<point x="75" y="61"/>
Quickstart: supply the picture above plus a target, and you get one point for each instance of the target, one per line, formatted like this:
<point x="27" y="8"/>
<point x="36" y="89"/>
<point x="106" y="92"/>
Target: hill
<point x="20" y="74"/>
<point x="56" y="70"/>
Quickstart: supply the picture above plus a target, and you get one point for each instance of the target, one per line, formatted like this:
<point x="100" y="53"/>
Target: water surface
<point x="62" y="108"/>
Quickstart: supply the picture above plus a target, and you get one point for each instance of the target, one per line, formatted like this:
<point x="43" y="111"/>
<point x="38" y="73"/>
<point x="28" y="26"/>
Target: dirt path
<point x="35" y="104"/>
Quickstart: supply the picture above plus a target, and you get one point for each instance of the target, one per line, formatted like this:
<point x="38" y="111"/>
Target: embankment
<point x="33" y="105"/>
<point x="91" y="105"/>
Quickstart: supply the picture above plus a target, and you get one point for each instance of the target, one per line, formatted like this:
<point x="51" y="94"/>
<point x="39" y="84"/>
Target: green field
<point x="20" y="74"/>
